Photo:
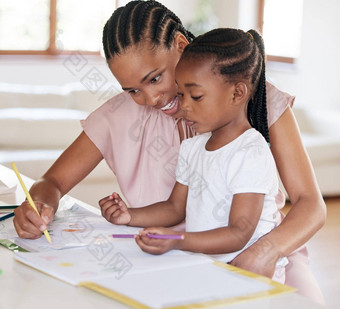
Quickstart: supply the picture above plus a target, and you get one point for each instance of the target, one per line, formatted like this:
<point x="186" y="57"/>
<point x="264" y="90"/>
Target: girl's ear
<point x="180" y="42"/>
<point x="240" y="93"/>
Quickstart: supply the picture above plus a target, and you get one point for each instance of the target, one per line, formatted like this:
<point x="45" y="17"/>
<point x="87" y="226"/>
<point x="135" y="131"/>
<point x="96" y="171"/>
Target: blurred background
<point x="305" y="34"/>
<point x="53" y="74"/>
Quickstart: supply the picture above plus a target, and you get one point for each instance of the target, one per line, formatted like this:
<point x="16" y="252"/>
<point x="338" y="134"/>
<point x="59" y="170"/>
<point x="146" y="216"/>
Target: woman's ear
<point x="241" y="92"/>
<point x="180" y="42"/>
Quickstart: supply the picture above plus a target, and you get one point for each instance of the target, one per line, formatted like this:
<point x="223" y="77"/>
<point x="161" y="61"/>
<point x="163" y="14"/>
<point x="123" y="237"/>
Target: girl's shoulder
<point x="197" y="139"/>
<point x="195" y="143"/>
<point x="277" y="102"/>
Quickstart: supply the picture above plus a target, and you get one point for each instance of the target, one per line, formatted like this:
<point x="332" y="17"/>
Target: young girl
<point x="138" y="133"/>
<point x="226" y="180"/>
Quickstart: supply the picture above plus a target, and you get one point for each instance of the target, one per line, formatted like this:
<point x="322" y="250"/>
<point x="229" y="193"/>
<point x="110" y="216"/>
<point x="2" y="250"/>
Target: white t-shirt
<point x="245" y="165"/>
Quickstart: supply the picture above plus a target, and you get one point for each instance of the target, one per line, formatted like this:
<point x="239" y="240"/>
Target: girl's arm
<point x="77" y="161"/>
<point x="244" y="216"/>
<point x="308" y="212"/>
<point x="166" y="213"/>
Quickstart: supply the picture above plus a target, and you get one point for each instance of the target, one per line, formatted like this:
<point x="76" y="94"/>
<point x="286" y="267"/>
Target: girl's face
<point x="148" y="75"/>
<point x="207" y="100"/>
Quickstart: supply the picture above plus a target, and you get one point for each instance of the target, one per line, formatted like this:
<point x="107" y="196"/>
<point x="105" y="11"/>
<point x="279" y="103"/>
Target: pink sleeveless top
<point x="140" y="144"/>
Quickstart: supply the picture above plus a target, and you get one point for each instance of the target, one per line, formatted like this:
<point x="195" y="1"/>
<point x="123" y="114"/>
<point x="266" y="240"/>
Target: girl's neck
<point x="224" y="136"/>
<point x="183" y="130"/>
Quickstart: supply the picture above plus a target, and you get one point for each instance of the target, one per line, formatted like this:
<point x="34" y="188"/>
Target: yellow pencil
<point x="29" y="198"/>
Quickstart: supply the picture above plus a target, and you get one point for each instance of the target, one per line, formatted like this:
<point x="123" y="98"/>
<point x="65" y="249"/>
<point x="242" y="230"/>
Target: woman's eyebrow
<point x="147" y="75"/>
<point x="142" y="80"/>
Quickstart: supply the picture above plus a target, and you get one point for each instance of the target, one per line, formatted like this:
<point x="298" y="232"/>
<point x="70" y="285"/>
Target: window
<point x="52" y="26"/>
<point x="61" y="26"/>
<point x="280" y="22"/>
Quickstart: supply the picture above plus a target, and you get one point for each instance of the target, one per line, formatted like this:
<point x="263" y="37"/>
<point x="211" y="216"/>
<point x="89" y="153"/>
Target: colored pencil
<point x="8" y="206"/>
<point x="123" y="235"/>
<point x="158" y="236"/>
<point x="29" y="198"/>
<point x="154" y="236"/>
<point x="7" y="216"/>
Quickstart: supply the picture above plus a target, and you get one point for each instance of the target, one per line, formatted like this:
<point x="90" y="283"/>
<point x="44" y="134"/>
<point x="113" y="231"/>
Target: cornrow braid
<point x="141" y="21"/>
<point x="259" y="116"/>
<point x="237" y="55"/>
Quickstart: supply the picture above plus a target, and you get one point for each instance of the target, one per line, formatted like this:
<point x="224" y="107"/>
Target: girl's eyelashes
<point x="181" y="95"/>
<point x="196" y="98"/>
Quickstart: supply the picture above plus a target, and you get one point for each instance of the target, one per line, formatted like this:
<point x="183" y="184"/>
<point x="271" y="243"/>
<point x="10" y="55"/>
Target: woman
<point x="143" y="42"/>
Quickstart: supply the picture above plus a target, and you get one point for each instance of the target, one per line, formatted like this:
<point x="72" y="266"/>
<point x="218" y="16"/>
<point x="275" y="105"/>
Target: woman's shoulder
<point x="120" y="109"/>
<point x="277" y="102"/>
<point x="118" y="103"/>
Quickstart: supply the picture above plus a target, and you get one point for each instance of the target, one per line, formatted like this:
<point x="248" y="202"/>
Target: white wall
<point x="314" y="79"/>
<point x="45" y="70"/>
<point x="318" y="71"/>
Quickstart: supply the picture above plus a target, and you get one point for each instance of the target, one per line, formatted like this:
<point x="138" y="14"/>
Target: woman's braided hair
<point x="141" y="21"/>
<point x="237" y="55"/>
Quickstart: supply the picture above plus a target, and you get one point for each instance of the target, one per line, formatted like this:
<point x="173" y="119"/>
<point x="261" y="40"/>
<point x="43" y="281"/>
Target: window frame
<point x="52" y="48"/>
<point x="260" y="28"/>
<point x="53" y="51"/>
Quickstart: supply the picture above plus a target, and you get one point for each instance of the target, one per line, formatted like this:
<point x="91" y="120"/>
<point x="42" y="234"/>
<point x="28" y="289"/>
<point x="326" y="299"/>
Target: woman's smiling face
<point x="148" y="75"/>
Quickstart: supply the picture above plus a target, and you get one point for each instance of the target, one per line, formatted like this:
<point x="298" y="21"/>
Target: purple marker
<point x="154" y="236"/>
<point x="123" y="235"/>
<point x="158" y="236"/>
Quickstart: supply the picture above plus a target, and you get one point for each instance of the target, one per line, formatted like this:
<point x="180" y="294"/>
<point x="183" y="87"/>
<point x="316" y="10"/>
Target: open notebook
<point x="146" y="281"/>
<point x="83" y="254"/>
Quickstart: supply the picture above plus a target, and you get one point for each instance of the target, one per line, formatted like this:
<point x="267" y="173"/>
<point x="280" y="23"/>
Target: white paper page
<point x="7" y="194"/>
<point x="75" y="227"/>
<point x="4" y="189"/>
<point x="120" y="260"/>
<point x="7" y="230"/>
<point x="182" y="286"/>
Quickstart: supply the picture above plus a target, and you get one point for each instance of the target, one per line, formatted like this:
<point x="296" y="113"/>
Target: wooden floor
<point x="324" y="252"/>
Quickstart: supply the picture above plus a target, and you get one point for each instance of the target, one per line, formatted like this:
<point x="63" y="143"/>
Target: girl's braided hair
<point x="238" y="55"/>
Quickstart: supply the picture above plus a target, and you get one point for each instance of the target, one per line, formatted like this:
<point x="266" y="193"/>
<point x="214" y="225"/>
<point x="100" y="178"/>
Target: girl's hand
<point x="114" y="209"/>
<point x="28" y="223"/>
<point x="157" y="246"/>
<point x="259" y="258"/>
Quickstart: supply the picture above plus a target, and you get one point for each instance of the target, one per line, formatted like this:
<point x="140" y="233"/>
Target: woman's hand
<point x="28" y="223"/>
<point x="114" y="209"/>
<point x="260" y="258"/>
<point x="157" y="246"/>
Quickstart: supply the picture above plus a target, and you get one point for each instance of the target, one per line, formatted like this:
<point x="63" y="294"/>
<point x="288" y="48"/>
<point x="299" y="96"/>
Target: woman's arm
<point x="76" y="162"/>
<point x="308" y="212"/>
